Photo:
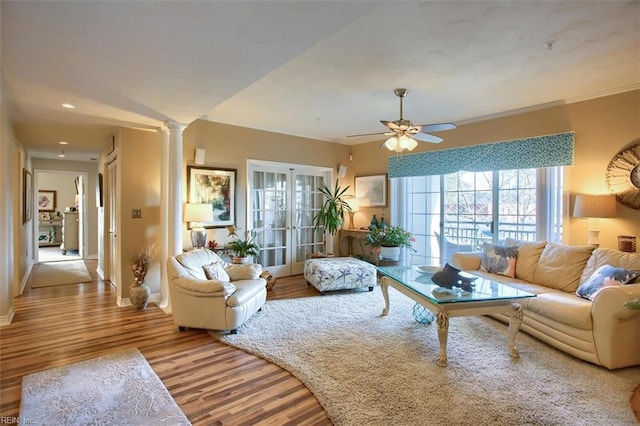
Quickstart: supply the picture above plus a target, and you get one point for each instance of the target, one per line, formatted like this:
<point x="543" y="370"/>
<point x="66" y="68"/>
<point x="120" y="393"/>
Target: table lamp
<point x="595" y="207"/>
<point x="197" y="213"/>
<point x="355" y="205"/>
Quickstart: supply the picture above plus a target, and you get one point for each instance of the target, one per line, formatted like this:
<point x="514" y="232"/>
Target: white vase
<point x="389" y="253"/>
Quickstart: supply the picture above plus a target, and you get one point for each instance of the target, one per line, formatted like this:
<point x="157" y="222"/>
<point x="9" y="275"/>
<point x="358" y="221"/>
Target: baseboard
<point x="6" y="319"/>
<point x="25" y="279"/>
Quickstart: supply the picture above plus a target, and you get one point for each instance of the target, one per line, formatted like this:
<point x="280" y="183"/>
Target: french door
<point x="281" y="204"/>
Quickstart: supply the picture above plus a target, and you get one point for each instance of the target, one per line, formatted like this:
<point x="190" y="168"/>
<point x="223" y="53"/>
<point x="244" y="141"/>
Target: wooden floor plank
<point x="213" y="383"/>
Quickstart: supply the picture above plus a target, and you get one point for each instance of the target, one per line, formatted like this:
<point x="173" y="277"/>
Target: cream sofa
<point x="214" y="304"/>
<point x="602" y="331"/>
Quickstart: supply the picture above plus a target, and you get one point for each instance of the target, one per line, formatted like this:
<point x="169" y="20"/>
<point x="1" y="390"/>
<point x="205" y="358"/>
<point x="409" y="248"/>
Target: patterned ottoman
<point x="339" y="273"/>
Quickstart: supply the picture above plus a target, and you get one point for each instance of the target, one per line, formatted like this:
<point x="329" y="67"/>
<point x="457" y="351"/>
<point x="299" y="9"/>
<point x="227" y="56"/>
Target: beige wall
<point x="602" y="127"/>
<point x="64" y="185"/>
<point x="140" y="160"/>
<point x="230" y="147"/>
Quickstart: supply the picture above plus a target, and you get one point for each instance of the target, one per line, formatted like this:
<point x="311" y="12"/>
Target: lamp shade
<point x="198" y="213"/>
<point x="595" y="206"/>
<point x="354" y="204"/>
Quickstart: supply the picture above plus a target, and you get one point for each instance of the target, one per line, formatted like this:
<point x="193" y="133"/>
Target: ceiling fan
<point x="404" y="134"/>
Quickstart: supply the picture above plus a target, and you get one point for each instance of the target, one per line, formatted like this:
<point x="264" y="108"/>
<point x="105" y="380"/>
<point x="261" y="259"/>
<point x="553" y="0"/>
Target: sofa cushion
<point x="564" y="308"/>
<point x="607" y="256"/>
<point x="215" y="271"/>
<point x="528" y="257"/>
<point x="194" y="260"/>
<point x="560" y="266"/>
<point x="245" y="271"/>
<point x="197" y="287"/>
<point x="499" y="259"/>
<point x="605" y="276"/>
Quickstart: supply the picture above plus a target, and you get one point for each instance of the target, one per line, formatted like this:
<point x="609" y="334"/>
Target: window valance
<point x="541" y="151"/>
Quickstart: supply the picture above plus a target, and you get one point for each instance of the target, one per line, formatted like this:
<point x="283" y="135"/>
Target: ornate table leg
<point x="514" y="326"/>
<point x="385" y="293"/>
<point x="442" y="319"/>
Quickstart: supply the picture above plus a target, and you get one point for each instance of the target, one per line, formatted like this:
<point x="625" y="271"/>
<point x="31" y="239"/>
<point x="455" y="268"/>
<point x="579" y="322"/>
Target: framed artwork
<point x="27" y="196"/>
<point x="371" y="191"/>
<point x="46" y="200"/>
<point x="217" y="187"/>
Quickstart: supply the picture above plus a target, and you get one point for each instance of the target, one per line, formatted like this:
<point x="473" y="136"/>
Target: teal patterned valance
<point x="541" y="151"/>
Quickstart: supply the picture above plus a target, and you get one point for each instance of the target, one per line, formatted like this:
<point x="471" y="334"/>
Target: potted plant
<point x="140" y="261"/>
<point x="331" y="214"/>
<point x="389" y="240"/>
<point x="242" y="249"/>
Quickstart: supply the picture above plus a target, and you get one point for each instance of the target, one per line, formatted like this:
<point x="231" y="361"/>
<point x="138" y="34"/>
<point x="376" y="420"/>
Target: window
<point x="460" y="211"/>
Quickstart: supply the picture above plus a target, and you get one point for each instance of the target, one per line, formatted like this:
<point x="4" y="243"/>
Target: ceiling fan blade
<point x="439" y="127"/>
<point x="368" y="134"/>
<point x="426" y="137"/>
<point x="390" y="124"/>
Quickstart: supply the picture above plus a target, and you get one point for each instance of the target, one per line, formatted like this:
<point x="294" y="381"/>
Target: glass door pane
<point x="467" y="212"/>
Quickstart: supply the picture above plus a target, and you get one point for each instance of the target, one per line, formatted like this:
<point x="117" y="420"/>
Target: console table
<point x="350" y="235"/>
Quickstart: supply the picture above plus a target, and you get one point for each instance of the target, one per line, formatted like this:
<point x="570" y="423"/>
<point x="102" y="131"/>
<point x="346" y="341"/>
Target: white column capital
<point x="174" y="126"/>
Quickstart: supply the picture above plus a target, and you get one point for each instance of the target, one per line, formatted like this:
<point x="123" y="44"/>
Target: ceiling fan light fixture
<point x="406" y="142"/>
<point x="391" y="143"/>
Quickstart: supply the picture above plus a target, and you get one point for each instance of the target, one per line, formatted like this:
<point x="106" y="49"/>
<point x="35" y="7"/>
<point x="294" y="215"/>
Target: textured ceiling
<point x="319" y="69"/>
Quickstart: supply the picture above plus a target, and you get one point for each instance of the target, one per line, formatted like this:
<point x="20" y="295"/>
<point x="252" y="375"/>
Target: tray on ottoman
<point x="339" y="273"/>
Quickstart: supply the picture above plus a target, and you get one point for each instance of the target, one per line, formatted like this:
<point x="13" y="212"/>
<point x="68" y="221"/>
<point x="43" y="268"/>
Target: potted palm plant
<point x="242" y="249"/>
<point x="331" y="215"/>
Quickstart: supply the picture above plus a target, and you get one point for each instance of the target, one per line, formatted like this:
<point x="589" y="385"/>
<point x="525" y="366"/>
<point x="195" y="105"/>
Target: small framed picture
<point x="46" y="200"/>
<point x="371" y="191"/>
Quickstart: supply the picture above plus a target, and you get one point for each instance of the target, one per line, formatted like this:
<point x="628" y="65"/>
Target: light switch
<point x="136" y="213"/>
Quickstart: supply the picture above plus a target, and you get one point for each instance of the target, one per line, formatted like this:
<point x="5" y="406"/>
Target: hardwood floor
<point x="213" y="383"/>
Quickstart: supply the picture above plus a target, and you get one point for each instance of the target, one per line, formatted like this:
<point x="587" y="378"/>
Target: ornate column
<point x="171" y="201"/>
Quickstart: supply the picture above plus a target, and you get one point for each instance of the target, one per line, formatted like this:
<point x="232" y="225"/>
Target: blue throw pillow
<point x="605" y="276"/>
<point x="499" y="259"/>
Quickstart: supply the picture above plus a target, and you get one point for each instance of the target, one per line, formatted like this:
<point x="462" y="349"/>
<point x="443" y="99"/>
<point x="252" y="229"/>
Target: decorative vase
<point x="389" y="253"/>
<point x="374" y="223"/>
<point x="139" y="295"/>
<point x="239" y="260"/>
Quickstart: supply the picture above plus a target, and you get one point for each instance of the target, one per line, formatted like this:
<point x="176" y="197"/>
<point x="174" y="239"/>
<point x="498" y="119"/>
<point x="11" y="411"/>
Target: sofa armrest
<point x="204" y="288"/>
<point x="467" y="261"/>
<point x="616" y="329"/>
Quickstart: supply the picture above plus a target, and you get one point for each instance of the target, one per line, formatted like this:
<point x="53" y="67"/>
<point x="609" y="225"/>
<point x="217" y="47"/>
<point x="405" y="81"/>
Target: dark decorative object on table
<point x="450" y="277"/>
<point x="374" y="223"/>
<point x="383" y="224"/>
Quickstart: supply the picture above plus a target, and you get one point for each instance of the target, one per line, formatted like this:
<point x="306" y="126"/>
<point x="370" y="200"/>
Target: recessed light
<point x="68" y="105"/>
<point x="61" y="155"/>
<point x="63" y="143"/>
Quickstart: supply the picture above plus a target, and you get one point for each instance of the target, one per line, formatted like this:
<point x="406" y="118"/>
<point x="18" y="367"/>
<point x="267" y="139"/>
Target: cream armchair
<point x="223" y="302"/>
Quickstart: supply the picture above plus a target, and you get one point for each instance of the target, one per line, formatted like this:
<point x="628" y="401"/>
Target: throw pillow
<point x="499" y="259"/>
<point x="605" y="276"/>
<point x="215" y="271"/>
<point x="246" y="271"/>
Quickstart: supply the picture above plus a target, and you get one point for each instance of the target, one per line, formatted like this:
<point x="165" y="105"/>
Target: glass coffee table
<point x="487" y="297"/>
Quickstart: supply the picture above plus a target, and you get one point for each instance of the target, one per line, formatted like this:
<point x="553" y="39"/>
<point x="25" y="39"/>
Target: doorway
<point x="281" y="203"/>
<point x="60" y="222"/>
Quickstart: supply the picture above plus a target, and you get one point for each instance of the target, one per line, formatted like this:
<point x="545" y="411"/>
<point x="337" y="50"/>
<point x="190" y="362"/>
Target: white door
<point x="112" y="191"/>
<point x="282" y="201"/>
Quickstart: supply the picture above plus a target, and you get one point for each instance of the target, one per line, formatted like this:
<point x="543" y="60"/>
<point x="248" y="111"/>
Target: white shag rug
<point x="59" y="273"/>
<point x="115" y="389"/>
<point x="366" y="369"/>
